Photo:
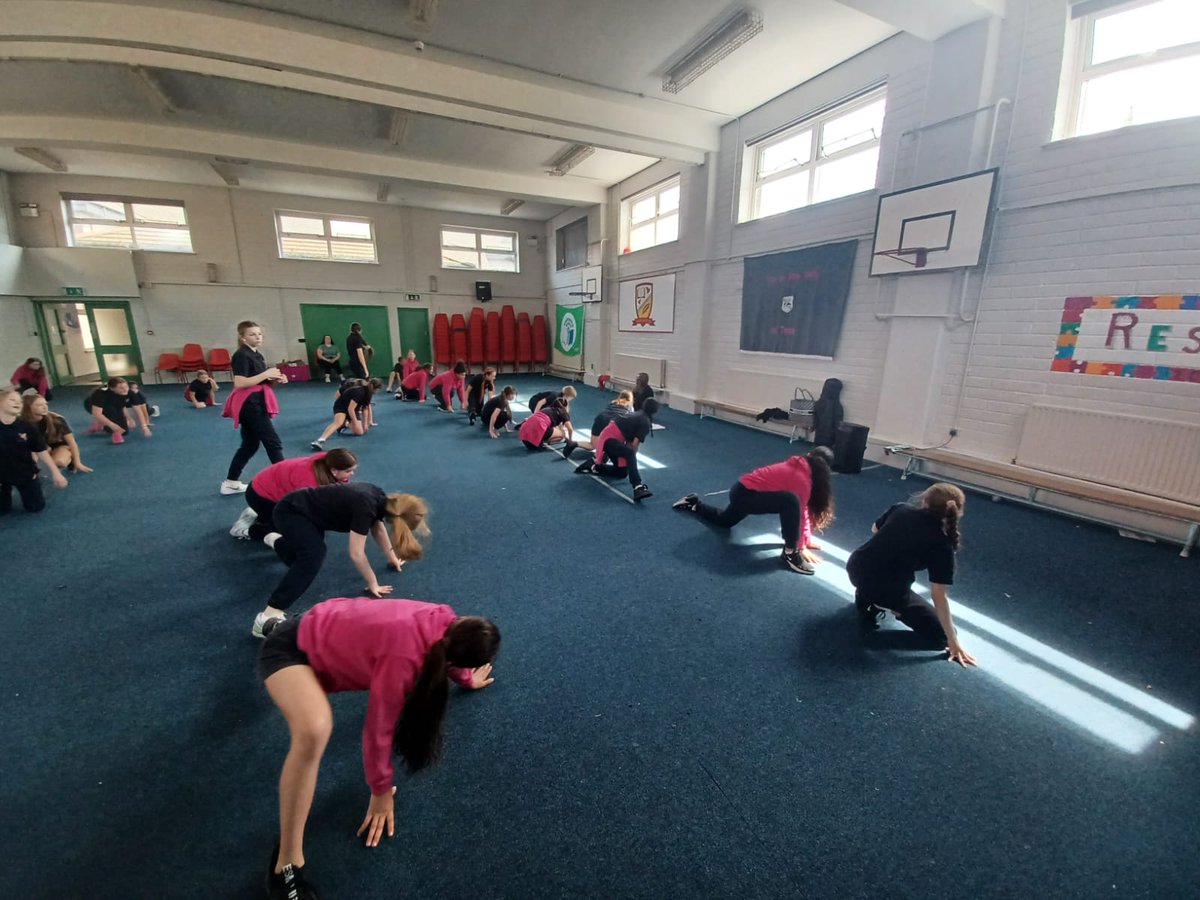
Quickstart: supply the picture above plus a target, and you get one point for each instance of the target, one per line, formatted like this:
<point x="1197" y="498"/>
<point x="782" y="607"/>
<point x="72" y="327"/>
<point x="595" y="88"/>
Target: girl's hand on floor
<point x="957" y="654"/>
<point x="481" y="677"/>
<point x="809" y="557"/>
<point x="59" y="481"/>
<point x="381" y="813"/>
<point x="395" y="564"/>
<point x="80" y="467"/>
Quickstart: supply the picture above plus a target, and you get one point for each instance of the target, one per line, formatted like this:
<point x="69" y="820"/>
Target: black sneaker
<point x="471" y="419"/>
<point x="690" y="502"/>
<point x="568" y="448"/>
<point x="796" y="563"/>
<point x="290" y="884"/>
<point x="640" y="493"/>
<point x="869" y="617"/>
<point x="587" y="467"/>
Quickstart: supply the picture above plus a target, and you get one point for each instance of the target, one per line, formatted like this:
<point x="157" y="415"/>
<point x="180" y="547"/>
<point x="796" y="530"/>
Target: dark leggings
<point x="256" y="429"/>
<point x="265" y="523"/>
<point x="744" y="501"/>
<point x="30" y="491"/>
<point x="410" y="393"/>
<point x="301" y="545"/>
<point x="911" y="609"/>
<point x="443" y="396"/>
<point x="615" y="449"/>
<point x="328" y="367"/>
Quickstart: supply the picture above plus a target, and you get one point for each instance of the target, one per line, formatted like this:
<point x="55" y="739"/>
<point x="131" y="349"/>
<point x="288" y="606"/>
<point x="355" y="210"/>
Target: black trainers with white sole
<point x="641" y="492"/>
<point x="290" y="884"/>
<point x="587" y="467"/>
<point x="568" y="448"/>
<point x="796" y="563"/>
<point x="690" y="502"/>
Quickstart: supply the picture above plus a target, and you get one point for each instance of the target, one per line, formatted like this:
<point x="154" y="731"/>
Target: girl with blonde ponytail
<point x="359" y="509"/>
<point x="909" y="537"/>
<point x="404" y="653"/>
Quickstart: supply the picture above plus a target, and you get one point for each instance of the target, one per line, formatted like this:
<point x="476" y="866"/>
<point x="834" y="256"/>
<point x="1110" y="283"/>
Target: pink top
<point x="609" y="431"/>
<point x="408" y="367"/>
<point x="284" y="477"/>
<point x="238" y="396"/>
<point x="416" y="382"/>
<point x="534" y="428"/>
<point x="451" y="382"/>
<point x="793" y="474"/>
<point x="378" y="646"/>
<point x="36" y="377"/>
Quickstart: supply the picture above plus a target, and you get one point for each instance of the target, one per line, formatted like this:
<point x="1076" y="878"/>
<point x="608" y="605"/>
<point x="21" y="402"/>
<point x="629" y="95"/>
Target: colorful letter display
<point x="1131" y="337"/>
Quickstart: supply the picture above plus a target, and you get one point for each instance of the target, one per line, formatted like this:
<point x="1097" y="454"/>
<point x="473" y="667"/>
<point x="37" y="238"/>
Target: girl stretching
<point x="202" y="391"/>
<point x="352" y="408"/>
<point x="251" y="404"/>
<point x="922" y="534"/>
<point x="549" y="425"/>
<point x="619" y="441"/>
<point x="413" y="386"/>
<point x="55" y="431"/>
<point x="450" y="382"/>
<point x="21" y="445"/>
<point x="402" y="652"/>
<point x="404" y="367"/>
<point x="497" y="413"/>
<point x="278" y="480"/>
<point x="799" y="490"/>
<point x="620" y="406"/>
<point x="537" y="401"/>
<point x="302" y="517"/>
<point x="480" y="389"/>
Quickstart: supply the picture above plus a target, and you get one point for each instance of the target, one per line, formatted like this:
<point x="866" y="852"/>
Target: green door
<point x="414" y="332"/>
<point x="89" y="340"/>
<point x="320" y="319"/>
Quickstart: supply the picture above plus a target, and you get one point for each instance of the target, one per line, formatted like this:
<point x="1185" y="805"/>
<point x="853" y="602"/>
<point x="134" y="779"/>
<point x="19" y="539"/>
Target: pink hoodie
<point x="238" y="396"/>
<point x="379" y="646"/>
<point x="450" y="383"/>
<point x="793" y="474"/>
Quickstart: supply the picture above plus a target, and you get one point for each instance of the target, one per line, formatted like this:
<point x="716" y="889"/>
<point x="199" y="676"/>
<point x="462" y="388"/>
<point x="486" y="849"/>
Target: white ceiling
<point x="303" y="94"/>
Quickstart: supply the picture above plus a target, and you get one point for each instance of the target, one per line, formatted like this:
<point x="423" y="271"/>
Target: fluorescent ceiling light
<point x="717" y="44"/>
<point x="511" y="206"/>
<point x="423" y="11"/>
<point x="398" y="127"/>
<point x="570" y="158"/>
<point x="42" y="158"/>
<point x="155" y="89"/>
<point x="381" y="192"/>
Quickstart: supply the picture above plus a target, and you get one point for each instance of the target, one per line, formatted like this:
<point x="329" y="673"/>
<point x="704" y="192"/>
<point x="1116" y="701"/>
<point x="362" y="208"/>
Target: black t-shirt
<point x="547" y="396"/>
<point x="496" y="403"/>
<point x="64" y="429"/>
<point x="641" y="396"/>
<point x="606" y="415"/>
<point x="476" y="386"/>
<point x="909" y="539"/>
<point x="248" y="363"/>
<point x="112" y="405"/>
<point x="634" y="426"/>
<point x="341" y="507"/>
<point x="17" y="442"/>
<point x="135" y="398"/>
<point x="354" y="342"/>
<point x="360" y="394"/>
<point x="200" y="388"/>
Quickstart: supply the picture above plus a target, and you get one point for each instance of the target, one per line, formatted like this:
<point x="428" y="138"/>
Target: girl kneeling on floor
<point x="403" y="652"/>
<point x="55" y="431"/>
<point x="352" y="408"/>
<point x="920" y="534"/>
<point x="549" y="425"/>
<point x="279" y="479"/>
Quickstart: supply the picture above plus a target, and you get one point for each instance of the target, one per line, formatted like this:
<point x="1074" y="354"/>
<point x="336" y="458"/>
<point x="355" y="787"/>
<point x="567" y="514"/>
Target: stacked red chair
<point x="475" y="338"/>
<point x="458" y="337"/>
<point x="524" y="341"/>
<point x="191" y="360"/>
<point x="491" y="339"/>
<point x="537" y="334"/>
<point x="441" y="340"/>
<point x="508" y="337"/>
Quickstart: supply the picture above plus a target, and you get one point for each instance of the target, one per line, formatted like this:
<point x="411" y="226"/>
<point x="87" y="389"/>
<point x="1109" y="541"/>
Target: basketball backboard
<point x="933" y="227"/>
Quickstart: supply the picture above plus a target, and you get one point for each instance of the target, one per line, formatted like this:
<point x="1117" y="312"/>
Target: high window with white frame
<point x="119" y="223"/>
<point x="481" y="249"/>
<point x="830" y="155"/>
<point x="1129" y="63"/>
<point x="651" y="217"/>
<point x="316" y="236"/>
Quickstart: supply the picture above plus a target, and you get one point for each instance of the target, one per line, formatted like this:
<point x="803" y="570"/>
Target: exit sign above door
<point x="74" y="292"/>
<point x="415" y="298"/>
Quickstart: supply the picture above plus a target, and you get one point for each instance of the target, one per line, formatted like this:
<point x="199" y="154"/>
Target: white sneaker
<point x="233" y="487"/>
<point x="241" y="528"/>
<point x="154" y="411"/>
<point x="263" y="624"/>
<point x="327" y="379"/>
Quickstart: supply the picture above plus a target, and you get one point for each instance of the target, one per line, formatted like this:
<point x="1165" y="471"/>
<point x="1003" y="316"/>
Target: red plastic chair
<point x="219" y="361"/>
<point x="441" y="340"/>
<point x="191" y="360"/>
<point x="524" y="341"/>
<point x="475" y="337"/>
<point x="491" y="339"/>
<point x="508" y="337"/>
<point x="458" y="337"/>
<point x="168" y="362"/>
<point x="537" y="335"/>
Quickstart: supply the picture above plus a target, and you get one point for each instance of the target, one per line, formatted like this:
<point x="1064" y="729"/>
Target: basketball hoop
<point x="910" y="256"/>
<point x="588" y="294"/>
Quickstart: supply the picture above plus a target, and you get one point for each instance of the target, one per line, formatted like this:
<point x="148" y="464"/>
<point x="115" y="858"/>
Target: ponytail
<point x="406" y="514"/>
<point x="468" y="643"/>
<point x="945" y="501"/>
<point x="820" y="495"/>
<point x="338" y="458"/>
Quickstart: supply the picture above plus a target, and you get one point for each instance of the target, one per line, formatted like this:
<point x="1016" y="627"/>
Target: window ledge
<point x="1113" y="134"/>
<point x="653" y="247"/>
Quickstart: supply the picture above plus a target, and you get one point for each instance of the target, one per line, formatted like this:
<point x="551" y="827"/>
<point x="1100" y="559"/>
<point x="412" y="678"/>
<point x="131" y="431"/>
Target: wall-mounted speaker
<point x="483" y="291"/>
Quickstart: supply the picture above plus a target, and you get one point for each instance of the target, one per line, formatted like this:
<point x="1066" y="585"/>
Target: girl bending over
<point x="55" y="431"/>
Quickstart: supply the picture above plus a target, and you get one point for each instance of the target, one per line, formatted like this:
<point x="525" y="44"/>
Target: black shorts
<point x="281" y="649"/>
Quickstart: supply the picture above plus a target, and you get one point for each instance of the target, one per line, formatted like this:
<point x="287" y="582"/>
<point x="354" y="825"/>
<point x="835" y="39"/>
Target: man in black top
<point x="356" y="352"/>
<point x="634" y="429"/>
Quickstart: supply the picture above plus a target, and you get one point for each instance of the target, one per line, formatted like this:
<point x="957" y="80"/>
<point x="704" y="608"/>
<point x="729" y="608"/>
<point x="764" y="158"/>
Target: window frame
<point x="655" y="190"/>
<point x="326" y="236"/>
<point x="479" y="250"/>
<point x="560" y="238"/>
<point x="70" y="220"/>
<point x="1077" y="71"/>
<point x="750" y="201"/>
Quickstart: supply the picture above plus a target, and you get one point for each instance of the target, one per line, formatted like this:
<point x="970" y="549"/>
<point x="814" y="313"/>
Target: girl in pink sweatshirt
<point x="402" y="652"/>
<point x="799" y="490"/>
<point x="451" y="382"/>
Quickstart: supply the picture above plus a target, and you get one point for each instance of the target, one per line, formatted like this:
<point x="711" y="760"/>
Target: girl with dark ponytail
<point x="909" y="537"/>
<point x="799" y="490"/>
<point x="404" y="653"/>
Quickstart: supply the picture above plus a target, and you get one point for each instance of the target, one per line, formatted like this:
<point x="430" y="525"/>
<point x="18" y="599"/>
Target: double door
<point x="88" y="341"/>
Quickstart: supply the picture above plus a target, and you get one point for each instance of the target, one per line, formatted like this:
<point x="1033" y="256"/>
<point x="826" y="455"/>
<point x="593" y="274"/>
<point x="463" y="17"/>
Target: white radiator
<point x="1151" y="456"/>
<point x="626" y="368"/>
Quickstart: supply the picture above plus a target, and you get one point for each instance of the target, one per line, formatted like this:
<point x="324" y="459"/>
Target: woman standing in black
<point x="251" y="405"/>
<point x="356" y="352"/>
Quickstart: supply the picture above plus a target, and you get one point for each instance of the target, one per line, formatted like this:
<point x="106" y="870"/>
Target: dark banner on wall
<point x="794" y="302"/>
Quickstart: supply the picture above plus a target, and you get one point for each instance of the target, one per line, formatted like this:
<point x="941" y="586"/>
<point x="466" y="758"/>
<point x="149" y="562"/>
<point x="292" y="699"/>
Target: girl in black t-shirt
<point x="352" y="408"/>
<point x="302" y="517"/>
<point x="202" y="391"/>
<point x="251" y="404"/>
<point x="20" y="443"/>
<point x="55" y="431"/>
<point x="480" y="389"/>
<point x="358" y="352"/>
<point x="496" y="413"/>
<point x="906" y="539"/>
<point x="642" y="391"/>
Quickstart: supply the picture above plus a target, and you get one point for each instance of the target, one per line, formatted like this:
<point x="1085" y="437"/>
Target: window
<point x="570" y="245"/>
<point x="1129" y="64"/>
<point x="830" y="155"/>
<point x="482" y="250"/>
<point x="651" y="217"/>
<point x="315" y="236"/>
<point x="119" y="224"/>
